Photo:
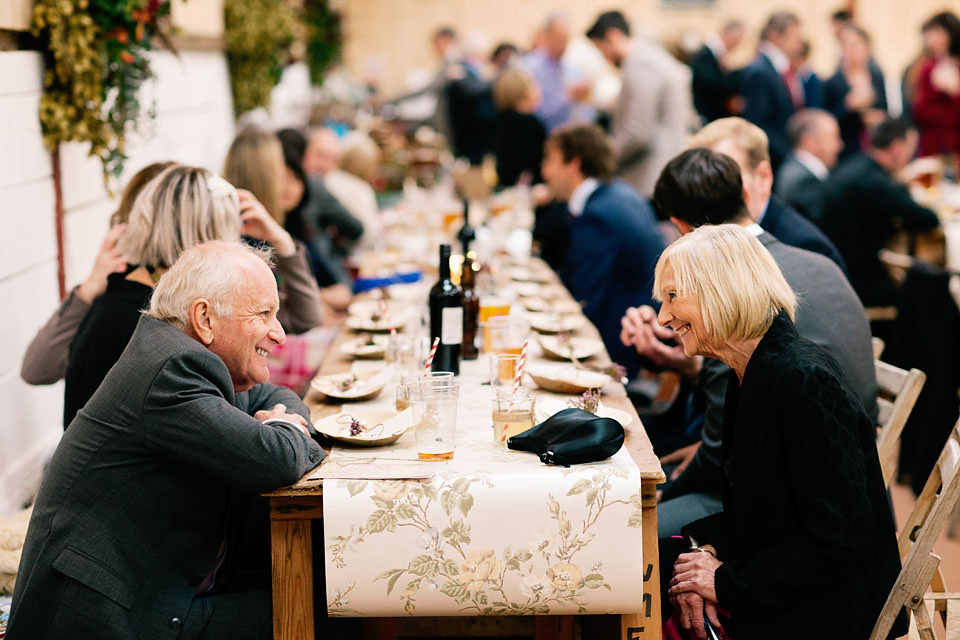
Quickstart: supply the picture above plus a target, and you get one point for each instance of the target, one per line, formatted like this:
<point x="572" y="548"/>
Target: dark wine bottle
<point x="446" y="317"/>
<point x="466" y="235"/>
<point x="471" y="306"/>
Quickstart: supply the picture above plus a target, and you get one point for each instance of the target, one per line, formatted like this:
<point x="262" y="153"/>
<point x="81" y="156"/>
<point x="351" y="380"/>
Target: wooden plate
<point x="392" y="426"/>
<point x="359" y="347"/>
<point x="562" y="378"/>
<point x="579" y="348"/>
<point x="552" y="323"/>
<point x="367" y="385"/>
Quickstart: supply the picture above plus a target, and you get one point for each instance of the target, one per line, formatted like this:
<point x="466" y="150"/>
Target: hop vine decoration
<point x="95" y="62"/>
<point x="258" y="35"/>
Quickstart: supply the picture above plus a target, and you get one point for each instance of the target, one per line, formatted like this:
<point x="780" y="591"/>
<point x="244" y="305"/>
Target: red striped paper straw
<point x="433" y="352"/>
<point x="517" y="378"/>
<point x="386" y="316"/>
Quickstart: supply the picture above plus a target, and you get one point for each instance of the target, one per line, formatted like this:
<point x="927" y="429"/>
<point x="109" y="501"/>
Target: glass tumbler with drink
<point x="434" y="406"/>
<point x="410" y="377"/>
<point x="512" y="413"/>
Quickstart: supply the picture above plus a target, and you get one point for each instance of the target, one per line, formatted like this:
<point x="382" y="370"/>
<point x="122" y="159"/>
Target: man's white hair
<point x="212" y="271"/>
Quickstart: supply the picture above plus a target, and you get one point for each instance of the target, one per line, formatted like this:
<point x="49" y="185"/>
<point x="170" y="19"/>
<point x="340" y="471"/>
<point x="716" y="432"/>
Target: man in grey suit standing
<point x="128" y="537"/>
<point x="650" y="121"/>
<point x="815" y="138"/>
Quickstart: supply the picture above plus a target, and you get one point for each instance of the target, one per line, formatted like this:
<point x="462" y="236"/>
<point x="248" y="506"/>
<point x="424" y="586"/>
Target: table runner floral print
<point x="495" y="533"/>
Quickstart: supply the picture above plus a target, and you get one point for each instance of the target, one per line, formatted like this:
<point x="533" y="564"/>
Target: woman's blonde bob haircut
<point x="180" y="207"/>
<point x="211" y="271"/>
<point x="735" y="280"/>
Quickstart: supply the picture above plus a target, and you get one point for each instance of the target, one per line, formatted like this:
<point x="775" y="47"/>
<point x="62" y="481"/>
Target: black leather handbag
<point x="571" y="436"/>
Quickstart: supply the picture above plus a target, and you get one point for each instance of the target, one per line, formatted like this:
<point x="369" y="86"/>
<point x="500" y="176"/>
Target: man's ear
<point x="200" y="320"/>
<point x="683" y="227"/>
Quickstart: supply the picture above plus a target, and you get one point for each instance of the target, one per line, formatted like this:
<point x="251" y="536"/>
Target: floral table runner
<point x="494" y="532"/>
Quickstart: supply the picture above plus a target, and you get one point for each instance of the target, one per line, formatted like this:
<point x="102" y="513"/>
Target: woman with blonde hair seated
<point x="45" y="360"/>
<point x="181" y="207"/>
<point x="255" y="164"/>
<point x="805" y="546"/>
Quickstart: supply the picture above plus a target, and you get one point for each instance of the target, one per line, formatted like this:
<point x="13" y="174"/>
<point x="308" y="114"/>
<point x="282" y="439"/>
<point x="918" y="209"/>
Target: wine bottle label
<point x="451" y="328"/>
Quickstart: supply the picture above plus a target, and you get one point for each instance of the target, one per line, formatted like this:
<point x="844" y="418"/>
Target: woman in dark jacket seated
<point x="805" y="546"/>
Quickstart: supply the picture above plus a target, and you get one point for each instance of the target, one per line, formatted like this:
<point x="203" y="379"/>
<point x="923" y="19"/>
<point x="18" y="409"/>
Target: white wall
<point x="194" y="125"/>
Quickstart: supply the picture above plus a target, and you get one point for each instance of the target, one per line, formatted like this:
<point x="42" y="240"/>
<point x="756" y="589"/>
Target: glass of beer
<point x="507" y="334"/>
<point x="512" y="413"/>
<point x="434" y="406"/>
<point x="491" y="306"/>
<point x="503" y="368"/>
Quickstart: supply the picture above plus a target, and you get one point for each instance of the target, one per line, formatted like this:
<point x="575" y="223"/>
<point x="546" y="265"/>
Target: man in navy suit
<point x="747" y="145"/>
<point x="771" y="88"/>
<point x="614" y="238"/>
<point x="715" y="87"/>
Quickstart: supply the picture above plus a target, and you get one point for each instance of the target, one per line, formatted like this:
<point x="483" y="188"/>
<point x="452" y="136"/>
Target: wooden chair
<point x="897" y="392"/>
<point x="921" y="567"/>
<point x="878" y="346"/>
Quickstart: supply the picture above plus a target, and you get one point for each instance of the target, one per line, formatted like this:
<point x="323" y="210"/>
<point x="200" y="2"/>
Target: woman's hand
<point x="259" y="224"/>
<point x="695" y="572"/>
<point x="109" y="260"/>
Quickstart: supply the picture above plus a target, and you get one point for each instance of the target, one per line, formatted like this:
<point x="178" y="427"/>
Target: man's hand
<point x="683" y="456"/>
<point x="696" y="568"/>
<point x="640" y="329"/>
<point x="109" y="260"/>
<point x="695" y="572"/>
<point x="258" y="223"/>
<point x="690" y="609"/>
<point x="279" y="412"/>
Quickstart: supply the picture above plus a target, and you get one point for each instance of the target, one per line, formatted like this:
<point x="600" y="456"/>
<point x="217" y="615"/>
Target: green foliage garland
<point x="258" y="36"/>
<point x="95" y="60"/>
<point x="324" y="38"/>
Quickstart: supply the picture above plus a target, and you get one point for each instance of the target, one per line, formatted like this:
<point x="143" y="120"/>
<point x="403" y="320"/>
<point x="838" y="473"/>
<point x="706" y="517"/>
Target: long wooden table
<point x="293" y="508"/>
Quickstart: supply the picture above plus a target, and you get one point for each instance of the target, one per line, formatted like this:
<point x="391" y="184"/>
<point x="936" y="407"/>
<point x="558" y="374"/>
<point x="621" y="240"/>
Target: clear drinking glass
<point x="513" y="413"/>
<point x="402" y="350"/>
<point x="434" y="406"/>
<point x="507" y="333"/>
<point x="503" y="368"/>
<point x="410" y="377"/>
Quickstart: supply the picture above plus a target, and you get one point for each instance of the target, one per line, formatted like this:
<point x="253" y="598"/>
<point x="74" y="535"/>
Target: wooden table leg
<point x="292" y="579"/>
<point x="647" y="625"/>
<point x="553" y="628"/>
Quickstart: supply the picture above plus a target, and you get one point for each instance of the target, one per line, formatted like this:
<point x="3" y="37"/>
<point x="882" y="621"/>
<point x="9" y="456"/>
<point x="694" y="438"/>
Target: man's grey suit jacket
<point x="800" y="189"/>
<point x="131" y="513"/>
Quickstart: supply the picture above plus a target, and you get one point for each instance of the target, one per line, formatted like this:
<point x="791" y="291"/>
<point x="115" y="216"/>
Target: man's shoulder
<point x="792" y="174"/>
<point x="800" y="260"/>
<point x="156" y="345"/>
<point x="781" y="217"/>
<point x="616" y="198"/>
<point x="760" y="66"/>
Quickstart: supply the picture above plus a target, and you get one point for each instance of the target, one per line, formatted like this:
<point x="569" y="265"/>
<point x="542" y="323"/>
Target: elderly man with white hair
<point x="129" y="535"/>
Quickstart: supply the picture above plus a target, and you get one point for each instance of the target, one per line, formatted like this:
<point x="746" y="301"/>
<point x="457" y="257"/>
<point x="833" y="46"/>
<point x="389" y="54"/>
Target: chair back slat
<point x="918" y="536"/>
<point x="886" y="410"/>
<point x="953" y="617"/>
<point x="949" y="461"/>
<point x="897" y="392"/>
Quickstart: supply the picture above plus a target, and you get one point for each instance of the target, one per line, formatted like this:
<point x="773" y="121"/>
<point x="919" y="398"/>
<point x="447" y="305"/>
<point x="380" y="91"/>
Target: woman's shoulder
<point x="794" y="359"/>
